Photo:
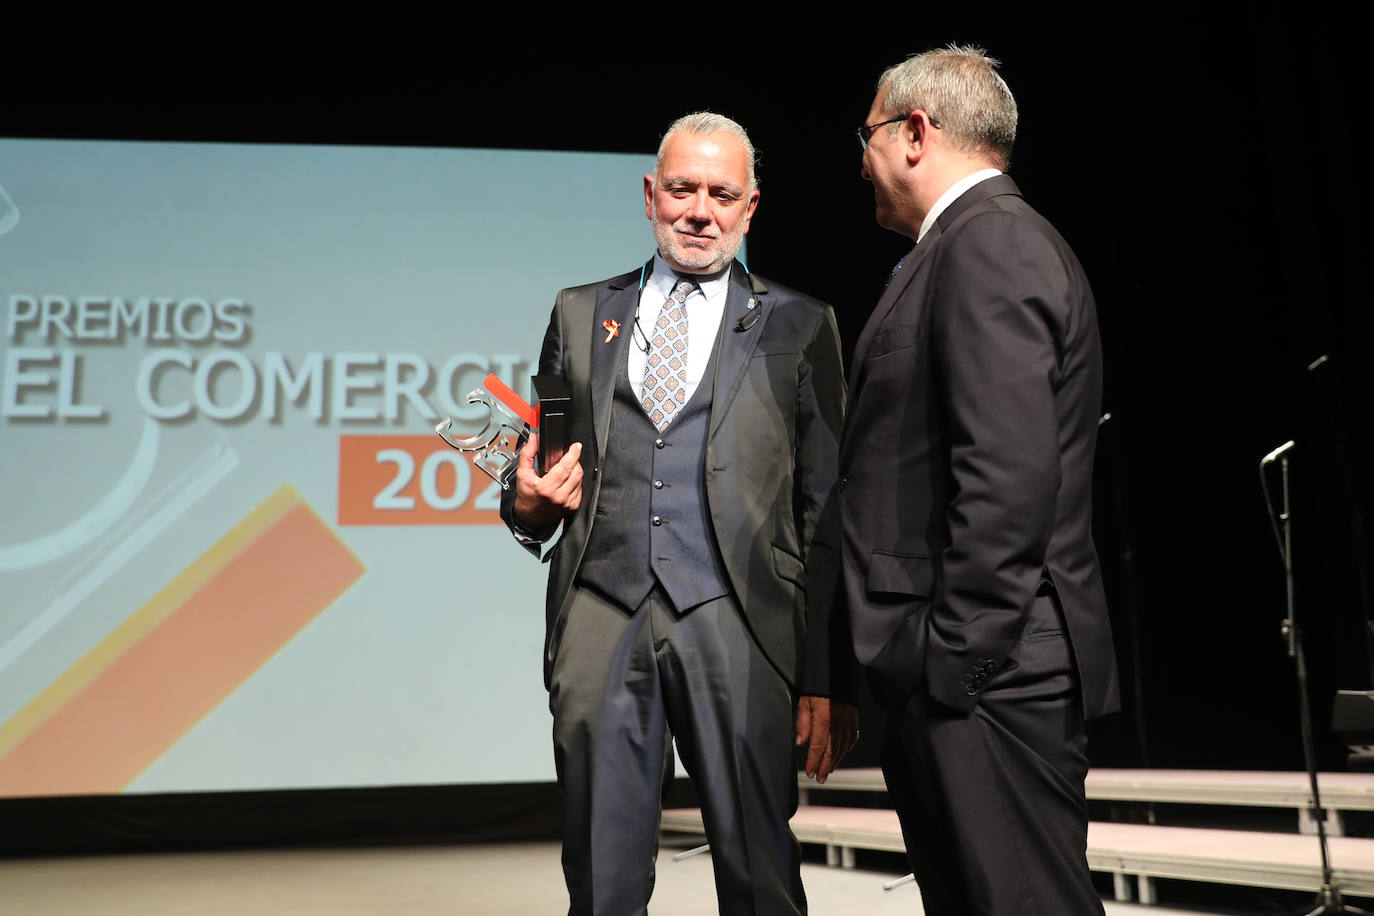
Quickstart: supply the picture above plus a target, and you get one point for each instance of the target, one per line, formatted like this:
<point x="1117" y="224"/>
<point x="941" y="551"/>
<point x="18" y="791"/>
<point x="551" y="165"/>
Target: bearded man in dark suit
<point x="964" y="503"/>
<point x="706" y="408"/>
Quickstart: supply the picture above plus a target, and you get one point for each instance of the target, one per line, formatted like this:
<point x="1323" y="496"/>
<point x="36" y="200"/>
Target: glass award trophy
<point x="496" y="447"/>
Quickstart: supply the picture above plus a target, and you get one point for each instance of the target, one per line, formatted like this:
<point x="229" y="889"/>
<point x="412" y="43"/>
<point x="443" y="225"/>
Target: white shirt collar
<point x="951" y="195"/>
<point x="663" y="279"/>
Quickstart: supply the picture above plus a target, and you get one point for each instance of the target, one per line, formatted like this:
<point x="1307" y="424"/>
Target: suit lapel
<point x="741" y="328"/>
<point x="616" y="303"/>
<point x="911" y="265"/>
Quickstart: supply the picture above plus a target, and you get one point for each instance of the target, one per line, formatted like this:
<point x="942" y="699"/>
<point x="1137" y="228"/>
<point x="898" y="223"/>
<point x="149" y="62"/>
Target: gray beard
<point x="672" y="250"/>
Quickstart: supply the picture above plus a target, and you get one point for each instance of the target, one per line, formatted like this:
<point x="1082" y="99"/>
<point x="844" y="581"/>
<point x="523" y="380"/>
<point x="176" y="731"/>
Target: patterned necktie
<point x="665" y="373"/>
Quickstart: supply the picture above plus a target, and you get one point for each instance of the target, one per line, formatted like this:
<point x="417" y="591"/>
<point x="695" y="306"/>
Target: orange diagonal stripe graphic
<point x="506" y="395"/>
<point x="133" y="696"/>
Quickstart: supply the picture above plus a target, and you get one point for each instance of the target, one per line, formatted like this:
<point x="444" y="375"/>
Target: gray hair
<point x="703" y="123"/>
<point x="958" y="87"/>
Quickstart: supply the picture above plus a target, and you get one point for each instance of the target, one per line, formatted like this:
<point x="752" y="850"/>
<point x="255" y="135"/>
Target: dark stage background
<point x="1205" y="170"/>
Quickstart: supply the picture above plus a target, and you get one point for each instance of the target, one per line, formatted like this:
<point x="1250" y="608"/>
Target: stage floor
<point x="468" y="880"/>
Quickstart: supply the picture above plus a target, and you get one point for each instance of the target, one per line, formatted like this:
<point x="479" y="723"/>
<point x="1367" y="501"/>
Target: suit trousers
<point x="992" y="804"/>
<point x="623" y="687"/>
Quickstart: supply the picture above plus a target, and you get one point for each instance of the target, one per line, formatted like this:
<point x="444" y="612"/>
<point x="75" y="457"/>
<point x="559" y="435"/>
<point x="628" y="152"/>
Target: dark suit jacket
<point x="966" y="463"/>
<point x="771" y="454"/>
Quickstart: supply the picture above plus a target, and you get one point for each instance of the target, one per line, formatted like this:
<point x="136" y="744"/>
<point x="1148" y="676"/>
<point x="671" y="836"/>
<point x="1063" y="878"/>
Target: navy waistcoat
<point x="651" y="521"/>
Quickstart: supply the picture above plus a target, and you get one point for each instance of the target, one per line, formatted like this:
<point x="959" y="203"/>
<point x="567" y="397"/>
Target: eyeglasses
<point x="867" y="130"/>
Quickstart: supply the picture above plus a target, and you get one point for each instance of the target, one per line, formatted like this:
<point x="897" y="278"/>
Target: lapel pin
<point x="612" y="329"/>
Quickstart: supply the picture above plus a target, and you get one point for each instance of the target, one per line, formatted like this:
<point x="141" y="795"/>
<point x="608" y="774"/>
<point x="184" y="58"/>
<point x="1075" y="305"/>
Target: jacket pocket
<point x="780" y="347"/>
<point x="900" y="574"/>
<point x="789" y="567"/>
<point x="894" y="340"/>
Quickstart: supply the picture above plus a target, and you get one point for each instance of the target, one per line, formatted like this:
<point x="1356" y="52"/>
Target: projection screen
<point x="233" y="553"/>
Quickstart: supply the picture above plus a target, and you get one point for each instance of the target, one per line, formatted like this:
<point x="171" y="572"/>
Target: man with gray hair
<point x="706" y="406"/>
<point x="964" y="505"/>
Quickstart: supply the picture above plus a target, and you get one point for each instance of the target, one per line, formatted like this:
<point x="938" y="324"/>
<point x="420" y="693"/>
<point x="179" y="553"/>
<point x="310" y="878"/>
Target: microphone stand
<point x="1329" y="897"/>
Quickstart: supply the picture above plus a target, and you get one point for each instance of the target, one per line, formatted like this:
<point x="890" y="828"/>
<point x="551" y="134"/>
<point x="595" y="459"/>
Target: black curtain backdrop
<point x="1203" y="166"/>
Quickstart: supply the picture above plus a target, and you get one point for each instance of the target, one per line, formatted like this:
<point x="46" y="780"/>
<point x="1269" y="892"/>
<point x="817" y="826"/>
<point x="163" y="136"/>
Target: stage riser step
<point x="1278" y="789"/>
<point x="1251" y="858"/>
<point x="1252" y="788"/>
